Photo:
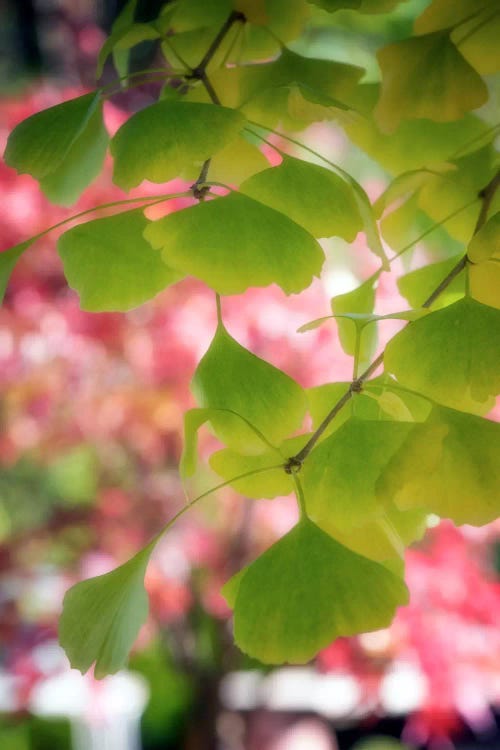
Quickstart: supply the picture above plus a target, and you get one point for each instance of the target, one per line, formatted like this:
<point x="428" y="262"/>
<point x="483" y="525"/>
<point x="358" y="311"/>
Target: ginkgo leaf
<point x="8" y="259"/>
<point x="39" y="144"/>
<point x="159" y="141"/>
<point x="340" y="474"/>
<point x="230" y="377"/>
<point x="411" y="145"/>
<point x="418" y="285"/>
<point x="228" y="463"/>
<point x="486" y="243"/>
<point x="102" y="616"/>
<point x="314" y="197"/>
<point x="305" y="591"/>
<point x="464" y="484"/>
<point x="234" y="242"/>
<point x="426" y="77"/>
<point x="110" y="264"/>
<point x="451" y="355"/>
<point x="81" y="164"/>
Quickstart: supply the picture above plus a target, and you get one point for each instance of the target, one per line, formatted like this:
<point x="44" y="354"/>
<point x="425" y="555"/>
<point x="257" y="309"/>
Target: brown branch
<point x="199" y="188"/>
<point x="486" y="195"/>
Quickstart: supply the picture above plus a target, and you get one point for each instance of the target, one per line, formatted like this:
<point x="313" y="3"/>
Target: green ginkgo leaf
<point x="340" y="474"/>
<point x="233" y="243"/>
<point x="464" y="484"/>
<point x="451" y="355"/>
<point x="314" y="197"/>
<point x="232" y="378"/>
<point x="81" y="164"/>
<point x="110" y="264"/>
<point x="158" y="142"/>
<point x="426" y="77"/>
<point x="102" y="616"/>
<point x="39" y="144"/>
<point x="305" y="591"/>
<point x="411" y="146"/>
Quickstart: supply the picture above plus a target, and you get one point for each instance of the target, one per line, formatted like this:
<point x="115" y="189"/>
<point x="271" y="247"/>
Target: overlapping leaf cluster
<point x="380" y="454"/>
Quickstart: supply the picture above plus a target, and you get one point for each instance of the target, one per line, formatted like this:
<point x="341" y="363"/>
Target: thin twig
<point x="199" y="188"/>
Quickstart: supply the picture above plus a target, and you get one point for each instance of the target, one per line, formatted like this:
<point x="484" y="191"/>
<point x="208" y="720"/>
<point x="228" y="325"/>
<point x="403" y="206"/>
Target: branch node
<point x="292" y="465"/>
<point x="356" y="386"/>
<point x="199" y="190"/>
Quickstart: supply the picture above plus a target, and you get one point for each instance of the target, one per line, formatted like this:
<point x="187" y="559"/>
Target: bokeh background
<point x="91" y="414"/>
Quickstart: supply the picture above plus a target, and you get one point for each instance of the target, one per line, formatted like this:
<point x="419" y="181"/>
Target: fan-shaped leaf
<point x="426" y="76"/>
<point x="110" y="264"/>
<point x="159" y="141"/>
<point x="304" y="592"/>
<point x="314" y="197"/>
<point x="230" y="377"/>
<point x="101" y="616"/>
<point x="81" y="164"/>
<point x="464" y="483"/>
<point x="451" y="355"/>
<point x="234" y="242"/>
<point x="340" y="475"/>
<point x="39" y="144"/>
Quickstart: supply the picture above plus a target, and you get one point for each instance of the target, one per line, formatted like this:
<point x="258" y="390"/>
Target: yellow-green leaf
<point x="110" y="264"/>
<point x="451" y="355"/>
<point x="464" y="483"/>
<point x="101" y="617"/>
<point x="314" y="197"/>
<point x="39" y="144"/>
<point x="426" y="77"/>
<point x="341" y="473"/>
<point x="307" y="590"/>
<point x="233" y="243"/>
<point x="230" y="377"/>
<point x="158" y="142"/>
